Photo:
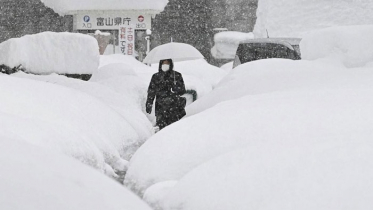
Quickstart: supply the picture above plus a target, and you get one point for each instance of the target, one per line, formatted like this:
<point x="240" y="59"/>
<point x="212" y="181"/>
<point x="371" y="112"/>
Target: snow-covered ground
<point x="36" y="179"/>
<point x="274" y="133"/>
<point x="295" y="18"/>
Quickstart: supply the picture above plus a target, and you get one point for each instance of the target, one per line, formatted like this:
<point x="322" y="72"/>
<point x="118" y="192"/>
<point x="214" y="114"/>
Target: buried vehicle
<point x="257" y="49"/>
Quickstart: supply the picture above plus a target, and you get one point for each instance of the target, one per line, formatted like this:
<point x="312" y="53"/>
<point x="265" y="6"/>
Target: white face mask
<point x="165" y="67"/>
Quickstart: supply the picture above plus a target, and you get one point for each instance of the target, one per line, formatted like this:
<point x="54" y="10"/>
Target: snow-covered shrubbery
<point x="295" y="18"/>
<point x="349" y="45"/>
<point x="226" y="43"/>
<point x="36" y="179"/>
<point x="50" y="52"/>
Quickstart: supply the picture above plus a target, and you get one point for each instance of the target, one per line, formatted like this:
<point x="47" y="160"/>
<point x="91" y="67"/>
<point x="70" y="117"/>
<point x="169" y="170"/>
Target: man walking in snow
<point x="166" y="86"/>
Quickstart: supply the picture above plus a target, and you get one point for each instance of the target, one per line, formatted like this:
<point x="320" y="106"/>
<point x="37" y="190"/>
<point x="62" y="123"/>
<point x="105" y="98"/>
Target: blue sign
<point x="86" y="18"/>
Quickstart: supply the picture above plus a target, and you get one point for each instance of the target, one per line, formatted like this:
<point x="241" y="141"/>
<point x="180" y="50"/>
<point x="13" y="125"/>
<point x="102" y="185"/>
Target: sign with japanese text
<point x="111" y="20"/>
<point x="127" y="40"/>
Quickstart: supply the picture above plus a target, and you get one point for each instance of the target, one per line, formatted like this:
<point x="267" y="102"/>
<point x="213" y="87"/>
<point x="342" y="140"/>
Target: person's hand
<point x="148" y="109"/>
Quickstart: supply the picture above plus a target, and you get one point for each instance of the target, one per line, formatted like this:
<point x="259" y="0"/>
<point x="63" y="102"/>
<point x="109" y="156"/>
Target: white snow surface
<point x="66" y="120"/>
<point x="227" y="67"/>
<point x="226" y="43"/>
<point x="155" y="194"/>
<point x="286" y="101"/>
<point x="295" y="18"/>
<point x="334" y="174"/>
<point x="349" y="45"/>
<point x="36" y="179"/>
<point x="67" y="6"/>
<point x="122" y="103"/>
<point x="50" y="52"/>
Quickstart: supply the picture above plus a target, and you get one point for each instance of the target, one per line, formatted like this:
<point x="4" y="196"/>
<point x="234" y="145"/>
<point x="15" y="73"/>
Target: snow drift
<point x="100" y="132"/>
<point x="349" y="45"/>
<point x="320" y="107"/>
<point x="295" y="18"/>
<point x="332" y="175"/>
<point x="36" y="179"/>
<point x="50" y="52"/>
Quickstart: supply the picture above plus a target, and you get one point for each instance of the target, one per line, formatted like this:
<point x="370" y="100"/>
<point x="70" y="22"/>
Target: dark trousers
<point x="166" y="119"/>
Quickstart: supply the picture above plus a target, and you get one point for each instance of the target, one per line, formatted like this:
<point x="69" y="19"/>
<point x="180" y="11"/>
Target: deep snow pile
<point x="295" y="18"/>
<point x="227" y="67"/>
<point x="303" y="104"/>
<point x="50" y="52"/>
<point x="36" y="179"/>
<point x="123" y="103"/>
<point x="176" y="150"/>
<point x="322" y="176"/>
<point x="226" y="43"/>
<point x="66" y="120"/>
<point x="350" y="45"/>
<point x="337" y="46"/>
<point x="65" y="6"/>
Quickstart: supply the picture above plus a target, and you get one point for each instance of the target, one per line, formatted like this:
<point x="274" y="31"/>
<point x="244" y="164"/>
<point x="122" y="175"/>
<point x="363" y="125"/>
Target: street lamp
<point x="147" y="38"/>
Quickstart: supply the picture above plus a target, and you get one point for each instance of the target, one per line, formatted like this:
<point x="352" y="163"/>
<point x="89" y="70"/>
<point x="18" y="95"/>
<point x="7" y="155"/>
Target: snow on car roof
<point x="288" y="42"/>
<point x="70" y="6"/>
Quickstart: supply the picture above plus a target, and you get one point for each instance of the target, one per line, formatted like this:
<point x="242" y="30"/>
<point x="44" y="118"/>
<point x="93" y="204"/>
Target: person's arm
<point x="179" y="87"/>
<point x="151" y="95"/>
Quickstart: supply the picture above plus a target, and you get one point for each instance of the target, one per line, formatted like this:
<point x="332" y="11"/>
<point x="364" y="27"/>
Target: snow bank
<point x="295" y="100"/>
<point x="155" y="194"/>
<point x="49" y="52"/>
<point x="227" y="67"/>
<point x="349" y="45"/>
<point x="295" y="18"/>
<point x="123" y="104"/>
<point x="65" y="6"/>
<point x="226" y="43"/>
<point x="85" y="127"/>
<point x="325" y="176"/>
<point x="33" y="178"/>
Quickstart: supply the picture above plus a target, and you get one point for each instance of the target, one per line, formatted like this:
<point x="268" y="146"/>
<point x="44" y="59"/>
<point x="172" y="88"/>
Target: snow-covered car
<point x="257" y="49"/>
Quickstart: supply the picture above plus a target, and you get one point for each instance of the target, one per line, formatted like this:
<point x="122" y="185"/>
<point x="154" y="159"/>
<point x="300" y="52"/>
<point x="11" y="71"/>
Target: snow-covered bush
<point x="50" y="52"/>
<point x="36" y="179"/>
<point x="349" y="45"/>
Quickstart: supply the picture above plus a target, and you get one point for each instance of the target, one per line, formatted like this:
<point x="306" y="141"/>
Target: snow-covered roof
<point x="71" y="6"/>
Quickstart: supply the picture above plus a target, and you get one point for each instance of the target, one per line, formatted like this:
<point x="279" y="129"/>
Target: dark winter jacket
<point x="166" y="88"/>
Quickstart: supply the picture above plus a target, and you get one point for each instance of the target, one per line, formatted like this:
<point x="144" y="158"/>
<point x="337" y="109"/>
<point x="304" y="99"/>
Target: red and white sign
<point x="141" y="18"/>
<point x="127" y="40"/>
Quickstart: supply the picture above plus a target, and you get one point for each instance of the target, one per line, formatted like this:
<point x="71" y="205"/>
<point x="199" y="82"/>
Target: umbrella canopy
<point x="175" y="51"/>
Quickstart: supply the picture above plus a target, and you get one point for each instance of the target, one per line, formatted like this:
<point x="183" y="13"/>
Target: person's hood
<point x="171" y="65"/>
